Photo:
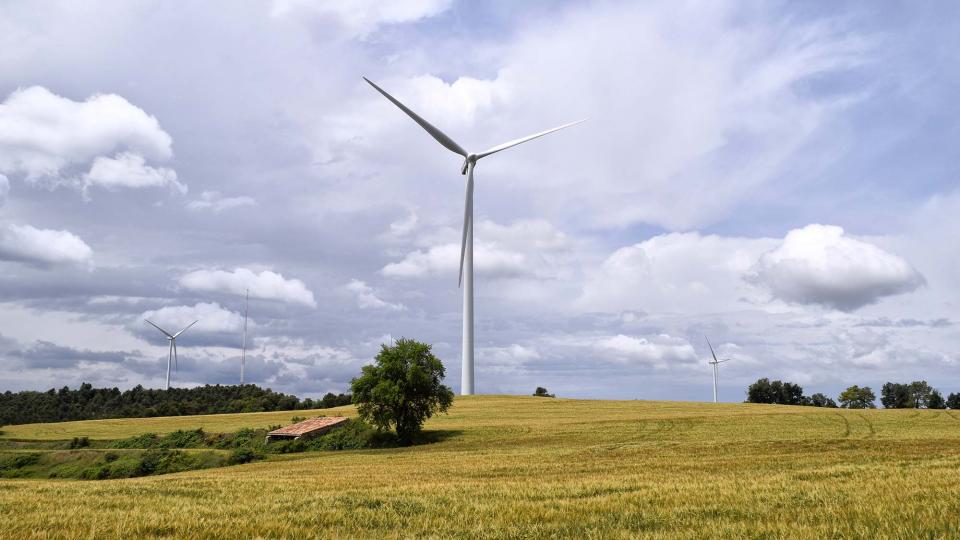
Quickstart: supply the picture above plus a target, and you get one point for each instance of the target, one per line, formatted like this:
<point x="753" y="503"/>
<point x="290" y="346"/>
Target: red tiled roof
<point x="309" y="426"/>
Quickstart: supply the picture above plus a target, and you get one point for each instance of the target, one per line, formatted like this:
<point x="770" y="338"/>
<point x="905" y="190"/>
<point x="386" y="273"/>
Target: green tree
<point x="856" y="397"/>
<point x="936" y="400"/>
<point x="820" y="400"/>
<point x="953" y="401"/>
<point x="542" y="392"/>
<point x="783" y="393"/>
<point x="402" y="389"/>
<point x="920" y="393"/>
<point x="896" y="396"/>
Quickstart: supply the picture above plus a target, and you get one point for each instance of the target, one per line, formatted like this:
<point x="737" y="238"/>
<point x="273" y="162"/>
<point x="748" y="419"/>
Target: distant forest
<point x="89" y="403"/>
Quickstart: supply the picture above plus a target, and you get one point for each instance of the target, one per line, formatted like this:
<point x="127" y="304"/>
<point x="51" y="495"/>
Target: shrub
<point x="243" y="455"/>
<point x="79" y="442"/>
<point x="542" y="392"/>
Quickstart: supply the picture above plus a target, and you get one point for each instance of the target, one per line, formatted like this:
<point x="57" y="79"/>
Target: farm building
<point x="308" y="428"/>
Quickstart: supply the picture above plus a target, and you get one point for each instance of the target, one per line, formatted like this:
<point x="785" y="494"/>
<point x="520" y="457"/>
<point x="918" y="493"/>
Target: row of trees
<point x="915" y="395"/>
<point x="88" y="403"/>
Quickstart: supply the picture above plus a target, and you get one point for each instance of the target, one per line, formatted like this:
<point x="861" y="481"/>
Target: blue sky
<point x="779" y="176"/>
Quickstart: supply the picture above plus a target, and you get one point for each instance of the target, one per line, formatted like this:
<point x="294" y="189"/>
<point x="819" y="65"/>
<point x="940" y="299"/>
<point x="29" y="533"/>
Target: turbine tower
<point x="714" y="364"/>
<point x="466" y="243"/>
<point x="172" y="357"/>
<point x="243" y="350"/>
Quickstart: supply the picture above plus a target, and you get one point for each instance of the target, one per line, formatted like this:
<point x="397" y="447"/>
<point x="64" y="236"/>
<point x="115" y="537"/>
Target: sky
<point x="780" y="177"/>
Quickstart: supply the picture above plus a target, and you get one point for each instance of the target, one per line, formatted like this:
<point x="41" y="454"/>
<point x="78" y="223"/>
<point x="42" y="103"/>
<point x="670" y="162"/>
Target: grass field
<point x="524" y="467"/>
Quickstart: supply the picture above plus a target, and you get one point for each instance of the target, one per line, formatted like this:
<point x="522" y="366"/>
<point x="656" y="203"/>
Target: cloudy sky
<point x="780" y="177"/>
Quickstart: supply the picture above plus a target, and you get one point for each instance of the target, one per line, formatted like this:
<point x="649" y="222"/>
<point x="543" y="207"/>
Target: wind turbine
<point x="243" y="350"/>
<point x="172" y="357"/>
<point x="714" y="364"/>
<point x="466" y="243"/>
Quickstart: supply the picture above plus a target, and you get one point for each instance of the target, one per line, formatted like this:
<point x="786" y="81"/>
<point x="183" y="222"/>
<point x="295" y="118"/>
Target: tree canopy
<point x="856" y="397"/>
<point x="89" y="403"/>
<point x="402" y="388"/>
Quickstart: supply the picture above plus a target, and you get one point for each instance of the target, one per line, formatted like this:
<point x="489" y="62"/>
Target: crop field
<point x="525" y="467"/>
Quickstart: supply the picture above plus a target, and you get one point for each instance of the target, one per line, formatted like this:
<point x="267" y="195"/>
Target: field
<point x="524" y="467"/>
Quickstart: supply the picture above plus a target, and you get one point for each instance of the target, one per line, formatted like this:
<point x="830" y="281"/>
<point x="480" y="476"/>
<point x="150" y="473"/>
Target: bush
<point x="79" y="442"/>
<point x="18" y="461"/>
<point x="243" y="455"/>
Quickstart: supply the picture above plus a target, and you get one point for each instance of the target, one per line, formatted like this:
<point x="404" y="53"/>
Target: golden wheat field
<point x="525" y="467"/>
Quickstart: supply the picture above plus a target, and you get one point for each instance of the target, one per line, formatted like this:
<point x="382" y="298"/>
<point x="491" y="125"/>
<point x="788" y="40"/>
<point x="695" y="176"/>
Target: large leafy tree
<point x="857" y="397"/>
<point x="783" y="393"/>
<point x="402" y="388"/>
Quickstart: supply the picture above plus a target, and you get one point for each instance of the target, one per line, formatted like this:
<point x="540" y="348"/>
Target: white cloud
<point x="216" y="202"/>
<point x="662" y="351"/>
<point x="43" y="135"/>
<point x="367" y="298"/>
<point x="676" y="273"/>
<point x="819" y="264"/>
<point x="522" y="248"/>
<point x="42" y="246"/>
<point x="361" y="17"/>
<point x="266" y="285"/>
<point x="212" y="317"/>
<point x="129" y="170"/>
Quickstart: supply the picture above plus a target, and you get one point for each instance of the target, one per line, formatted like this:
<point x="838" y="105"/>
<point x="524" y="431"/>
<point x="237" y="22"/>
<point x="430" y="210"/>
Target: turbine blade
<point x="158" y="328"/>
<point x="724" y="360"/>
<point x="176" y="361"/>
<point x="440" y="136"/>
<point x="711" y="349"/>
<point x="467" y="219"/>
<point x="185" y="328"/>
<point x="515" y="142"/>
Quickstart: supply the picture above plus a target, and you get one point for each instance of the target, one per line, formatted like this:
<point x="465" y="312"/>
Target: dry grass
<point x="521" y="467"/>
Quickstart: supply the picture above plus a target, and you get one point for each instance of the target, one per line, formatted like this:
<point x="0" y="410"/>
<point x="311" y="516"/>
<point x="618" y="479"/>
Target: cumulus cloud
<point x="45" y="136"/>
<point x="677" y="272"/>
<point x="522" y="248"/>
<point x="360" y="18"/>
<point x="128" y="170"/>
<point x="819" y="264"/>
<point x="660" y="351"/>
<point x="43" y="247"/>
<point x="367" y="298"/>
<point x="266" y="285"/>
<point x="212" y="317"/>
<point x="216" y="202"/>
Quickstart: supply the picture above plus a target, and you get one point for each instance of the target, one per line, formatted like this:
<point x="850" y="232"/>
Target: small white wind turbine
<point x="243" y="350"/>
<point x="172" y="357"/>
<point x="714" y="364"/>
<point x="466" y="243"/>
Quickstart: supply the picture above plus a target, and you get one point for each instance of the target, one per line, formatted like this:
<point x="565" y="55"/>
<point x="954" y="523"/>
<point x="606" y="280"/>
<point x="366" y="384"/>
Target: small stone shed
<point x="311" y="427"/>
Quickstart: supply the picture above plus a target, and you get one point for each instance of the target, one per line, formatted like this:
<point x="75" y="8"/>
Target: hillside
<point x="526" y="467"/>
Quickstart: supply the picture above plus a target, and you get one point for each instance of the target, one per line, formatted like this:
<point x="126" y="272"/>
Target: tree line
<point x="89" y="403"/>
<point x="914" y="395"/>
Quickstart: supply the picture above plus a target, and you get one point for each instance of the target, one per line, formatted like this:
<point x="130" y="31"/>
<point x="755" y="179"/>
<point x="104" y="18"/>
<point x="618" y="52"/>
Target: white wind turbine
<point x="172" y="357"/>
<point x="714" y="364"/>
<point x="466" y="244"/>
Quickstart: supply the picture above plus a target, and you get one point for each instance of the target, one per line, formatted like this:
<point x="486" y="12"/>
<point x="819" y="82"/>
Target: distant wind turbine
<point x="243" y="350"/>
<point x="466" y="243"/>
<point x="714" y="364"/>
<point x="172" y="357"/>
